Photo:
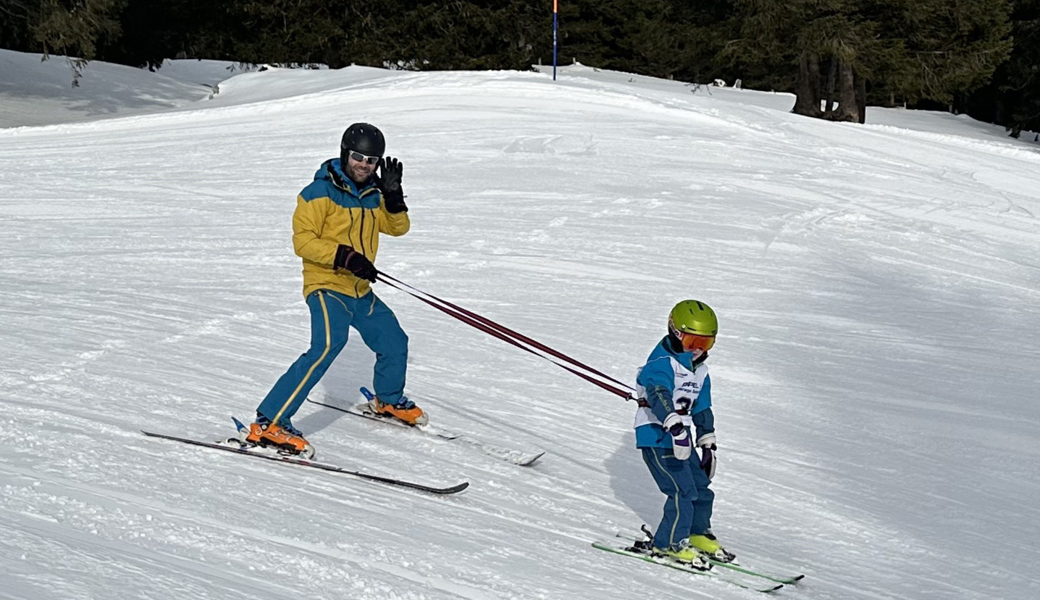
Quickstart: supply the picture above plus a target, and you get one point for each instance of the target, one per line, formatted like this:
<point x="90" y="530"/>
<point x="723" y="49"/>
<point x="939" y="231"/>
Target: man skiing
<point x="336" y="228"/>
<point x="674" y="393"/>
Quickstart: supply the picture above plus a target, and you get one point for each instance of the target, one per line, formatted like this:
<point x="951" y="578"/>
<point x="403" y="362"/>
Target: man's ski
<point x="357" y="411"/>
<point x="514" y="456"/>
<point x="728" y="577"/>
<point x="254" y="451"/>
<point x="736" y="565"/>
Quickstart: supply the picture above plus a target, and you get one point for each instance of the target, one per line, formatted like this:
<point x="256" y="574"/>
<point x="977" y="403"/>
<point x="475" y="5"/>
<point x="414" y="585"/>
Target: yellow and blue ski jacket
<point x="333" y="210"/>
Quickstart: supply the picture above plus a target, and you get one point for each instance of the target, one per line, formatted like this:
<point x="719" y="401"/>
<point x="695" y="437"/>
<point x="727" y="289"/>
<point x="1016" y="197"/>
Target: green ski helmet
<point x="693" y="323"/>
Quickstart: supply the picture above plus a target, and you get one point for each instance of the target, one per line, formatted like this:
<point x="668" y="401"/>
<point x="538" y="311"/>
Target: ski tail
<point x="517" y="457"/>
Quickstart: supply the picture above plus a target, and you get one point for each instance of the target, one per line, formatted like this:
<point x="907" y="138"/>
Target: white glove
<point x="682" y="447"/>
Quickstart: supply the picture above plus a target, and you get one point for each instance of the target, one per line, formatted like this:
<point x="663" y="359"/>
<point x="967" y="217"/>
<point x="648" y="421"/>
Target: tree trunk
<point x="807" y="88"/>
<point x="848" y="108"/>
<point x="832" y="78"/>
<point x="861" y="97"/>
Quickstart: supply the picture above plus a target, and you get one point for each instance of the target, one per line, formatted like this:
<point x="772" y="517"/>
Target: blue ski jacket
<point x="670" y="375"/>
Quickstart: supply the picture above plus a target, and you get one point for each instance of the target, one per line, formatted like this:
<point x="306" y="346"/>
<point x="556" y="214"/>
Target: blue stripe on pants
<point x="688" y="508"/>
<point x="332" y="315"/>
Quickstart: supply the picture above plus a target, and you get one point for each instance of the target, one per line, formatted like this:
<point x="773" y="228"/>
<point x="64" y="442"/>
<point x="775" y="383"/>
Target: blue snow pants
<point x="332" y="316"/>
<point x="688" y="508"/>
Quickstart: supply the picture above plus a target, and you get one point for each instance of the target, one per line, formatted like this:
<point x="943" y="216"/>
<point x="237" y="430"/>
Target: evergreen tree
<point x="16" y="19"/>
<point x="635" y="36"/>
<point x="152" y="32"/>
<point x="501" y="34"/>
<point x="67" y="27"/>
<point x="1021" y="81"/>
<point x="291" y="31"/>
<point x="72" y="28"/>
<point x="908" y="49"/>
<point x="940" y="48"/>
<point x="685" y="39"/>
<point x="822" y="47"/>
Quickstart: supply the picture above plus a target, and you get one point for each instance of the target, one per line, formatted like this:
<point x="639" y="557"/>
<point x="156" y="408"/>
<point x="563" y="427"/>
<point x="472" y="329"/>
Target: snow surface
<point x="878" y="288"/>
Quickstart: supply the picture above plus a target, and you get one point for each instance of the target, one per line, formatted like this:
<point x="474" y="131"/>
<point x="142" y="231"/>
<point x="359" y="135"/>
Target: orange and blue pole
<point x="555" y="29"/>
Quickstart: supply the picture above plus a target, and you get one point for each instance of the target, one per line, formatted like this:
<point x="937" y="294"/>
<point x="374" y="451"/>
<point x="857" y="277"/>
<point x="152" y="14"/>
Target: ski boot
<point x="707" y="544"/>
<point x="286" y="438"/>
<point x="405" y="411"/>
<point x="686" y="554"/>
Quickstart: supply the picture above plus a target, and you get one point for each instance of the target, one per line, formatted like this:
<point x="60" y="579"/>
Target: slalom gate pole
<point x="511" y="337"/>
<point x="556" y="11"/>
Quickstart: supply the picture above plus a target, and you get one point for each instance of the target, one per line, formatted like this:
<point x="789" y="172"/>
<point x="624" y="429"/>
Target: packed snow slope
<point x="874" y="381"/>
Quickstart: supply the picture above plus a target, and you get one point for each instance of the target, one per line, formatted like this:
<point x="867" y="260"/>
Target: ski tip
<point x="367" y="394"/>
<point x="527" y="461"/>
<point x="455" y="488"/>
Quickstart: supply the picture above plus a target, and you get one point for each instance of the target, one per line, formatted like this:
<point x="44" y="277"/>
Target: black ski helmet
<point x="363" y="138"/>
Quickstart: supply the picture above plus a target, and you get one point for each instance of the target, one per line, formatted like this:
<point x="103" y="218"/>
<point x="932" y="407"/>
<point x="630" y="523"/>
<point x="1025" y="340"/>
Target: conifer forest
<point x="979" y="57"/>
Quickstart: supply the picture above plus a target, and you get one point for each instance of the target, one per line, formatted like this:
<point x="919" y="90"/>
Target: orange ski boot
<point x="265" y="433"/>
<point x="405" y="411"/>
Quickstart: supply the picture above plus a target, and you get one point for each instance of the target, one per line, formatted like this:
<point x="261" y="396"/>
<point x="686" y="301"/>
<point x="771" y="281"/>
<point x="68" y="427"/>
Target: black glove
<point x="355" y="262"/>
<point x="706" y="448"/>
<point x="389" y="182"/>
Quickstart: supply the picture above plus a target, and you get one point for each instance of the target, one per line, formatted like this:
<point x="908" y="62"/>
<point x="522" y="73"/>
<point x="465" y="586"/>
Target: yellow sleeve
<point x="308" y="224"/>
<point x="391" y="223"/>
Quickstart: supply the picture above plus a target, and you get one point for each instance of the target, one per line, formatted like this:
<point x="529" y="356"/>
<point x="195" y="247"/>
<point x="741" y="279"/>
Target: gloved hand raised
<point x="389" y="182"/>
<point x="706" y="449"/>
<point x="355" y="262"/>
<point x="682" y="446"/>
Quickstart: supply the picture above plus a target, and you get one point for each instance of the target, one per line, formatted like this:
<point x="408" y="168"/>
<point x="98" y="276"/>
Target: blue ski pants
<point x="687" y="511"/>
<point x="332" y="316"/>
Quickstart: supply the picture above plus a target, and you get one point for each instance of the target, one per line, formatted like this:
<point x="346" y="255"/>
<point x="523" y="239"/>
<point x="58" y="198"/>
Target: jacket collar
<point x="331" y="170"/>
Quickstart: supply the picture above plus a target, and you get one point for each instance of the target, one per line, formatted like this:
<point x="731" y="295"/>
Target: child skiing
<point x="674" y="393"/>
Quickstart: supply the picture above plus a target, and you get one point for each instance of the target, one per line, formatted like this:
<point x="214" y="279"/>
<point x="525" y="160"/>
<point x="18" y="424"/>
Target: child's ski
<point x="738" y="566"/>
<point x="727" y="576"/>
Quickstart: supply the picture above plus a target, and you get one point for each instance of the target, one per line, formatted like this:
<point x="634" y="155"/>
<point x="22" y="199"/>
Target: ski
<point x="725" y="576"/>
<point x="361" y="410"/>
<point x="736" y="566"/>
<point x="740" y="568"/>
<point x="250" y="450"/>
<point x="357" y="411"/>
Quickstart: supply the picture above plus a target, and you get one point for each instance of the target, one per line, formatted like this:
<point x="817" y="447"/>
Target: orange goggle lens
<point x="692" y="342"/>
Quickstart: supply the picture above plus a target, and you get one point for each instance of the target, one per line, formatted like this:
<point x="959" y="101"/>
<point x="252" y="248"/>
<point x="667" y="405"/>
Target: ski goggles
<point x="691" y="342"/>
<point x="364" y="157"/>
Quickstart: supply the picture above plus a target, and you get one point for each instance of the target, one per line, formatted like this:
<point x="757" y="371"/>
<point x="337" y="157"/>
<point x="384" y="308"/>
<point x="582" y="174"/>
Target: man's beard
<point x="355" y="173"/>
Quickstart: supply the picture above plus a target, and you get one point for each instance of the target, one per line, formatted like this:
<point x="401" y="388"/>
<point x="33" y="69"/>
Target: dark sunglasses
<point x="364" y="157"/>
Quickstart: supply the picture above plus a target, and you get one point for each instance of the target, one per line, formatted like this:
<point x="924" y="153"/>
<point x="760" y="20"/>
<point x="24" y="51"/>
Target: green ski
<point x="625" y="550"/>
